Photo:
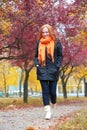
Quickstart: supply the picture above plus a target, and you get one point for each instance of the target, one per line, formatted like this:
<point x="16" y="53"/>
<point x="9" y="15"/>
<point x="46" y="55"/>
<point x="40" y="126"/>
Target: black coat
<point x="51" y="70"/>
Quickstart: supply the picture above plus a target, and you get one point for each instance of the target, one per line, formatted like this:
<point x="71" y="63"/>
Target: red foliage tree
<point x="26" y="20"/>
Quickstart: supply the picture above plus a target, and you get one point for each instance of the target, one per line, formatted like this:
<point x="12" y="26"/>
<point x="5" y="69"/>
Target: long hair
<point x="50" y="29"/>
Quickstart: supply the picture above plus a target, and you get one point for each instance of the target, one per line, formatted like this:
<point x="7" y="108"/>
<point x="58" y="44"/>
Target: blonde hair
<point x="50" y="29"/>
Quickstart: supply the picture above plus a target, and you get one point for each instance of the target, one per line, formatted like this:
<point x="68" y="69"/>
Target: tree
<point x="26" y="17"/>
<point x="80" y="73"/>
<point x="9" y="76"/>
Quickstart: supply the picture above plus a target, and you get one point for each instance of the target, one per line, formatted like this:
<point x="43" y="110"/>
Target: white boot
<point x="48" y="112"/>
<point x="53" y="107"/>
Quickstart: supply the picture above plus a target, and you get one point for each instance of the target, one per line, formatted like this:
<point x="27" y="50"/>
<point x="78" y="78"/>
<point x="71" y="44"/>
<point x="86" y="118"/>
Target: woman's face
<point x="45" y="32"/>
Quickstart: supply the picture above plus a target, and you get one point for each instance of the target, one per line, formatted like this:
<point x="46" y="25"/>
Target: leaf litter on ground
<point x="78" y="121"/>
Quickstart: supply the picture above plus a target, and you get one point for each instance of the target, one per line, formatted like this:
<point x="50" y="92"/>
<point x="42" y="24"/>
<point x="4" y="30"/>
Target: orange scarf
<point x="46" y="47"/>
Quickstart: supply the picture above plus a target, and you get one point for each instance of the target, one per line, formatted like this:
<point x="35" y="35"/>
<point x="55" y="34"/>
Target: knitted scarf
<point x="46" y="48"/>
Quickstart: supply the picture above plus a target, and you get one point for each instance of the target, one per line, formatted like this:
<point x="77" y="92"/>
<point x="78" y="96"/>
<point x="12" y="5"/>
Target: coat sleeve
<point x="36" y="55"/>
<point x="59" y="53"/>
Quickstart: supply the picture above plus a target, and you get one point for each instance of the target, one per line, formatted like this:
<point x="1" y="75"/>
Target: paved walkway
<point x="19" y="119"/>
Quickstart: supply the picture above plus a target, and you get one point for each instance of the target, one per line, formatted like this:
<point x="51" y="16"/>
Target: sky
<point x="70" y="1"/>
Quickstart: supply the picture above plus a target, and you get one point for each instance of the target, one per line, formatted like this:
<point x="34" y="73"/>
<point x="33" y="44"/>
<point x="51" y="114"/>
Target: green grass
<point x="78" y="122"/>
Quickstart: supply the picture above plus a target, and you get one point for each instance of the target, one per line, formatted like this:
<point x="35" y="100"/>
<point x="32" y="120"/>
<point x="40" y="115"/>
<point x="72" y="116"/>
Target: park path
<point x="20" y="119"/>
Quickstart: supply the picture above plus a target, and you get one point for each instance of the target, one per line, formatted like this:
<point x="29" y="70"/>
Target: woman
<point x="48" y="60"/>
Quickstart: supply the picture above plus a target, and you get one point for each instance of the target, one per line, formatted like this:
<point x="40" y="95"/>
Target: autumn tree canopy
<point x="21" y="20"/>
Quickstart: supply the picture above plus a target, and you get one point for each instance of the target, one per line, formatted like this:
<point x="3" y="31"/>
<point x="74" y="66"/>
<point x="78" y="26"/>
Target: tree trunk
<point x="20" y="83"/>
<point x="85" y="89"/>
<point x="5" y="91"/>
<point x="25" y="97"/>
<point x="64" y="91"/>
<point x="64" y="88"/>
<point x="78" y="88"/>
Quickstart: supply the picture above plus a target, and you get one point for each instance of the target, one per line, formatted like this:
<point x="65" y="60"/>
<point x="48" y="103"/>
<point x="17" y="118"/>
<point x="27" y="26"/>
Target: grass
<point x="32" y="101"/>
<point x="78" y="122"/>
<point x="4" y="102"/>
